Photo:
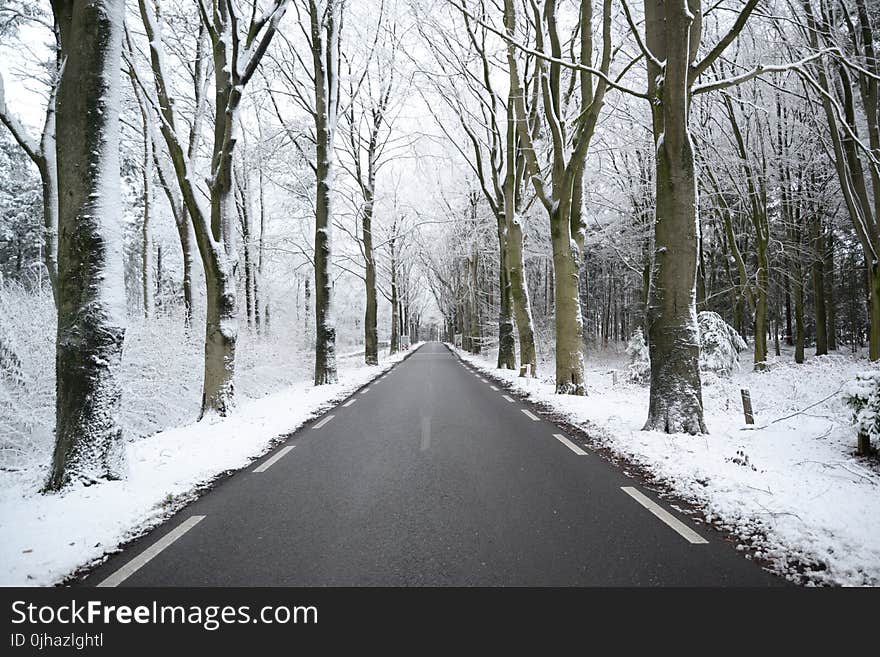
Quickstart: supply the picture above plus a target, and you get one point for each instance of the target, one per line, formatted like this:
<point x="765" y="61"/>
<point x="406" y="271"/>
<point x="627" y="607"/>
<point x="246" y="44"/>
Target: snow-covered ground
<point x="790" y="488"/>
<point x="44" y="538"/>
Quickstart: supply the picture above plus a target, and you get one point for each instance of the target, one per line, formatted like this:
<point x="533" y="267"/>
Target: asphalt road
<point x="430" y="476"/>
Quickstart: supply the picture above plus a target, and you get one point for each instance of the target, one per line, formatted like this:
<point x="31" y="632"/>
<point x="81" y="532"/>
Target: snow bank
<point x="44" y="538"/>
<point x="790" y="488"/>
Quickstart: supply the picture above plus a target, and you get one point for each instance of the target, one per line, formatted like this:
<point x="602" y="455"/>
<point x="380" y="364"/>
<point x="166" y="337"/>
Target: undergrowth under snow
<point x="791" y="488"/>
<point x="44" y="538"/>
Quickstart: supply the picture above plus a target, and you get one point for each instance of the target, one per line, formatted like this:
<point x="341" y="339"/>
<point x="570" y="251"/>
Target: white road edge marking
<point x="565" y="441"/>
<point x="365" y="391"/>
<point x="483" y="380"/>
<point x="323" y="422"/>
<point x="147" y="555"/>
<point x="510" y="399"/>
<point x="686" y="532"/>
<point x="265" y="465"/>
<point x="531" y="416"/>
<point x="494" y="388"/>
<point x="349" y="403"/>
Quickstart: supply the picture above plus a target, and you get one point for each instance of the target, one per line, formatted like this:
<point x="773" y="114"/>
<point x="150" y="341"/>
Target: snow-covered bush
<point x="638" y="370"/>
<point x="162" y="367"/>
<point x="862" y="395"/>
<point x="27" y="376"/>
<point x="720" y="344"/>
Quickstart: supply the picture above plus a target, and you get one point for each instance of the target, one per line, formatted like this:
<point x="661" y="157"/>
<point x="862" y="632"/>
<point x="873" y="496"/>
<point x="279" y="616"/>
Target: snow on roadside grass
<point x="789" y="488"/>
<point x="44" y="538"/>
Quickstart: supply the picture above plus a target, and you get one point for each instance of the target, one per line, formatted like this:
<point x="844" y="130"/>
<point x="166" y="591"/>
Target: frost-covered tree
<point x="91" y="297"/>
<point x="238" y="45"/>
<point x="720" y="344"/>
<point x="40" y="149"/>
<point x="671" y="47"/>
<point x="562" y="198"/>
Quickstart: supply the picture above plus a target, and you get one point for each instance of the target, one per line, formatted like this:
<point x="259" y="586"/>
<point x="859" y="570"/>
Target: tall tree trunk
<point x="146" y="237"/>
<point x="798" y="293"/>
<point x="818" y="277"/>
<point x="247" y="243"/>
<point x="371" y="313"/>
<point x="258" y="278"/>
<point x="221" y="333"/>
<point x="874" y="310"/>
<point x="676" y="400"/>
<point x="185" y="235"/>
<point x="520" y="295"/>
<point x="761" y="292"/>
<point x="325" y="51"/>
<point x="91" y="309"/>
<point x="395" y="302"/>
<point x="519" y="290"/>
<point x="831" y="306"/>
<point x="789" y="337"/>
<point x="506" y="340"/>
<point x="569" y="324"/>
<point x="476" y="326"/>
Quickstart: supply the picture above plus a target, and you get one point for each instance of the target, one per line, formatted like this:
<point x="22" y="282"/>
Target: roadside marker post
<point x="747" y="406"/>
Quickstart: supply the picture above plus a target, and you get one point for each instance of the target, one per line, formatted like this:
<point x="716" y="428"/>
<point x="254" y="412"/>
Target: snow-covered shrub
<point x="720" y="344"/>
<point x="162" y="366"/>
<point x="27" y="381"/>
<point x="638" y="370"/>
<point x="862" y="395"/>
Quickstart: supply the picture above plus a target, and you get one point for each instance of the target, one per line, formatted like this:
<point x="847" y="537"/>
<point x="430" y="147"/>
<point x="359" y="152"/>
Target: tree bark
<point x="395" y="302"/>
<point x="325" y="52"/>
<point x="91" y="308"/>
<point x="831" y="297"/>
<point x="506" y="340"/>
<point x="371" y="312"/>
<point x="818" y="277"/>
<point x="676" y="403"/>
<point x="146" y="236"/>
<point x="799" y="336"/>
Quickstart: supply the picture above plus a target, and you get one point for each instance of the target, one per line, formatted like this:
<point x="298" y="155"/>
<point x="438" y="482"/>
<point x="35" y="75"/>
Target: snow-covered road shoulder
<point x="790" y="489"/>
<point x="45" y="538"/>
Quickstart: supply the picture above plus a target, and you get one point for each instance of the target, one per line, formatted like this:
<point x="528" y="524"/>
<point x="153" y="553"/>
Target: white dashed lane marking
<point x="686" y="532"/>
<point x="565" y="441"/>
<point x="323" y="422"/>
<point x="147" y="555"/>
<point x="265" y="465"/>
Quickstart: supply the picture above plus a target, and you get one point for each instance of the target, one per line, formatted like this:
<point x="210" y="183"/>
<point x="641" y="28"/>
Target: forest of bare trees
<point x="541" y="180"/>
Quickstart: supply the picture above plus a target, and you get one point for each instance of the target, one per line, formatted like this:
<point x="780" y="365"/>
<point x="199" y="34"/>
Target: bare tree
<point x="562" y="200"/>
<point x="42" y="153"/>
<point x="91" y="301"/>
<point x="236" y="58"/>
